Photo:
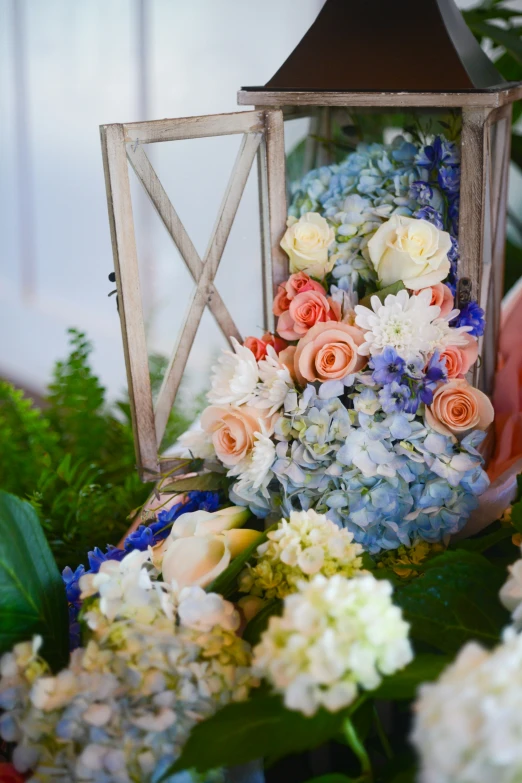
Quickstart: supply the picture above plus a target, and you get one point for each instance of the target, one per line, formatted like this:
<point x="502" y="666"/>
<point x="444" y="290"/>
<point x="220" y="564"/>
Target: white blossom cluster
<point x="336" y="636"/>
<point x="158" y="662"/>
<point x="303" y="545"/>
<point x="468" y="725"/>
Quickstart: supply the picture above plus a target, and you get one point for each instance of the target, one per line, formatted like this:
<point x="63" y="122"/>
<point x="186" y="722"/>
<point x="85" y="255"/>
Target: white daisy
<point x="235" y="377"/>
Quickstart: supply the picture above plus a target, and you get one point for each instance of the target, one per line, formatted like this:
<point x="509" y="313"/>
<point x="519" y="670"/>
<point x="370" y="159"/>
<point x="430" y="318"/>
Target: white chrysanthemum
<point x="276" y="382"/>
<point x="511" y="593"/>
<point x="127" y="702"/>
<point x="254" y="470"/>
<point x="235" y="377"/>
<point x="403" y="322"/>
<point x="335" y="636"/>
<point x="302" y="546"/>
<point x="468" y="725"/>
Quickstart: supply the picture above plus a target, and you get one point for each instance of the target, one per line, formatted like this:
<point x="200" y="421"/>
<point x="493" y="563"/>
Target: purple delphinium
<point x="387" y="367"/>
<point x="440" y="152"/>
<point x="394" y="397"/>
<point x="421" y="191"/>
<point x="430" y="214"/>
<point x="471" y="314"/>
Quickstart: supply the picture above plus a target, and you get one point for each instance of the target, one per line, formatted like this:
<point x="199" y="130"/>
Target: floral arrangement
<point x="358" y="405"/>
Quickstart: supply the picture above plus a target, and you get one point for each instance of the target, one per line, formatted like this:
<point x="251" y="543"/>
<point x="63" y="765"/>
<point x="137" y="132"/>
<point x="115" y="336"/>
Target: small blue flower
<point x="449" y="179"/>
<point x="471" y="315"/>
<point x="453" y="214"/>
<point x="197" y="501"/>
<point x="431" y="215"/>
<point x="97" y="557"/>
<point x="140" y="539"/>
<point x="436" y="369"/>
<point x="71" y="579"/>
<point x="387" y="367"/>
<point x="421" y="191"/>
<point x="394" y="397"/>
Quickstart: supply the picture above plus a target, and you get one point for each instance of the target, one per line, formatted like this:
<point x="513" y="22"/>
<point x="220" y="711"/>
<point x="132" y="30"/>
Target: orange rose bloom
<point x="442" y="297"/>
<point x="281" y="302"/>
<point x="306" y="310"/>
<point x="458" y="407"/>
<point x="277" y="343"/>
<point x="257" y="346"/>
<point x="301" y="282"/>
<point x="328" y="352"/>
<point x="459" y="358"/>
<point x="233" y="429"/>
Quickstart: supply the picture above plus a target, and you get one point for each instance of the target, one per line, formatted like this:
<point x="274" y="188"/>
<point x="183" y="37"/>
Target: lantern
<point x="360" y="56"/>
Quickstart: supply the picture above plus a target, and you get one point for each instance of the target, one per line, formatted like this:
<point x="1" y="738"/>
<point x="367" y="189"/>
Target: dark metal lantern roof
<point x="387" y="45"/>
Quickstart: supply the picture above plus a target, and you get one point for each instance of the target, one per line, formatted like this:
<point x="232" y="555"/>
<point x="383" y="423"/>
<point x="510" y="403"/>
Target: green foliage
<point x="226" y="583"/>
<point x="403" y="685"/>
<point x="258" y="624"/>
<point x="32" y="593"/>
<point x="74" y="460"/>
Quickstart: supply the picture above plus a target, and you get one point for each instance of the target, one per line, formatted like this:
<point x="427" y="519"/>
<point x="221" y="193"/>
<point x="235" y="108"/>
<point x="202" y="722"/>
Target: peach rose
<point x="306" y="310"/>
<point x="459" y="358"/>
<point x="277" y="343"/>
<point x="232" y="429"/>
<point x="301" y="282"/>
<point x="458" y="407"/>
<point x="442" y="297"/>
<point x="287" y="357"/>
<point x="328" y="352"/>
<point x="281" y="301"/>
<point x="257" y="346"/>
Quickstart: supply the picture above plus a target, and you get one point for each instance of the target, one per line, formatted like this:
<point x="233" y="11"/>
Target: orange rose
<point x="287" y="357"/>
<point x="232" y="429"/>
<point x="442" y="297"/>
<point x="258" y="347"/>
<point x="281" y="302"/>
<point x="328" y="352"/>
<point x="458" y="407"/>
<point x="306" y="310"/>
<point x="459" y="358"/>
<point x="301" y="282"/>
<point x="277" y="343"/>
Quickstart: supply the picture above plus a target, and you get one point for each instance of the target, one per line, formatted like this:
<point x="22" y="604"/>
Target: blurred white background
<point x="67" y="66"/>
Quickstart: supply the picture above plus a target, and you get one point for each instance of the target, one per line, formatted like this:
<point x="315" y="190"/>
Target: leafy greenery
<point x="74" y="460"/>
<point x="32" y="593"/>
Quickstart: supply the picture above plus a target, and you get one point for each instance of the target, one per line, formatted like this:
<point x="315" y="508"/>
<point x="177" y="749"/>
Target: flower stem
<point x="354" y="741"/>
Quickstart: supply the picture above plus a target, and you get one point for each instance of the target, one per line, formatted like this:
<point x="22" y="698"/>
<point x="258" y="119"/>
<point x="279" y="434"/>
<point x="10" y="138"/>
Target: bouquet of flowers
<point x="358" y="406"/>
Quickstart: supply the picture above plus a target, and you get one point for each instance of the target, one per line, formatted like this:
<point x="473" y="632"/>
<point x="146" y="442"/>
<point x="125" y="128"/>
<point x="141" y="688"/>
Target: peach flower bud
<point x="281" y="302"/>
<point x="301" y="282"/>
<point x="458" y="407"/>
<point x="306" y="310"/>
<point x="442" y="297"/>
<point x="232" y="429"/>
<point x="329" y="352"/>
<point x="277" y="343"/>
<point x="459" y="358"/>
<point x="258" y="347"/>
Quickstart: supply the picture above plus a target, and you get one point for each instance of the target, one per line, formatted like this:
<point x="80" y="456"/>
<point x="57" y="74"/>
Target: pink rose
<point x="441" y="296"/>
<point x="328" y="352"/>
<point x="281" y="302"/>
<point x="232" y="429"/>
<point x="458" y="407"/>
<point x="301" y="282"/>
<point x="277" y="343"/>
<point x="257" y="346"/>
<point x="459" y="358"/>
<point x="306" y="310"/>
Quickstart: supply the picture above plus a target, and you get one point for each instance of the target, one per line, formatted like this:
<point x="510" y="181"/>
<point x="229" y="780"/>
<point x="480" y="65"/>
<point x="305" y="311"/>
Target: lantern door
<point x="125" y="145"/>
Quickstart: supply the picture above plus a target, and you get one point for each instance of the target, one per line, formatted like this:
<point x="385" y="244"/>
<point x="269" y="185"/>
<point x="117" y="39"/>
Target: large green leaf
<point x="32" y="593"/>
<point x="382" y="293"/>
<point x="509" y="39"/>
<point x="403" y="685"/>
<point x="255" y="729"/>
<point x="205" y="482"/>
<point x="455" y="600"/>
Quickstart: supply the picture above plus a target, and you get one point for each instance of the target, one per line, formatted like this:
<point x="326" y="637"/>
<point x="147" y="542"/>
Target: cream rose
<point x="329" y="352"/>
<point x="232" y="429"/>
<point x="458" y="407"/>
<point x="306" y="242"/>
<point x="410" y="250"/>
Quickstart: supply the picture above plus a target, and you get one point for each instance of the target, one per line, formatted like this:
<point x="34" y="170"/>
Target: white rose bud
<point x="306" y="242"/>
<point x="413" y="251"/>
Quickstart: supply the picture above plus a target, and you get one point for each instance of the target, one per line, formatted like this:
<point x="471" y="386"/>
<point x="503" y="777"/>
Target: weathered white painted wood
<point x="129" y="296"/>
<point x="194" y="127"/>
<point x="276" y="194"/>
<point x="150" y="181"/>
<point x="379" y="99"/>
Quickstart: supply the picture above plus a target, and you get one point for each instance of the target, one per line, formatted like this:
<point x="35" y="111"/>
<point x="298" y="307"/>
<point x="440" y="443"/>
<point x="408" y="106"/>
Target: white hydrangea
<point x="468" y="724"/>
<point x="302" y="546"/>
<point x="235" y="377"/>
<point x="158" y="662"/>
<point x="336" y="636"/>
<point x="511" y="593"/>
<point x="276" y="382"/>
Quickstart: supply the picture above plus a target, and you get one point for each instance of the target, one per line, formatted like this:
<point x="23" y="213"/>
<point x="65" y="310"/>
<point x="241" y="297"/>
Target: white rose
<point x="306" y="242"/>
<point x="410" y="250"/>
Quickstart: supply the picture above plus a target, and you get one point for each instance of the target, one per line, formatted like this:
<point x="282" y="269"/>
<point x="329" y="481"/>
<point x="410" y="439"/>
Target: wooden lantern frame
<point x="123" y="144"/>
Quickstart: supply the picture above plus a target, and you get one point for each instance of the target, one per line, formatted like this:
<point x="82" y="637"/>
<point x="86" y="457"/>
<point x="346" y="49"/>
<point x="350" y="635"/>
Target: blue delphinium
<point x="388" y="366"/>
<point x="141" y="539"/>
<point x="430" y="214"/>
<point x="471" y="314"/>
<point x="394" y="397"/>
<point x="421" y="191"/>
